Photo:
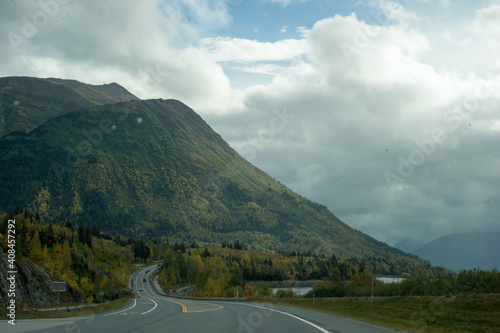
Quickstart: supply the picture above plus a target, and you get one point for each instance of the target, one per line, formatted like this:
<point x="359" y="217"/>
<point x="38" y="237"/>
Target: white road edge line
<point x="109" y="314"/>
<point x="288" y="314"/>
<point x="156" y="304"/>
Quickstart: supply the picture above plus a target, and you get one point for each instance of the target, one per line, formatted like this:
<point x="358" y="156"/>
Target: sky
<point x="387" y="112"/>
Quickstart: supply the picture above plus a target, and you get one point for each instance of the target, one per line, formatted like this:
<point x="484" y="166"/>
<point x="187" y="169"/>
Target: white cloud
<point x="264" y="69"/>
<point x="285" y="2"/>
<point x="372" y="54"/>
<point x="396" y="12"/>
<point x="302" y="30"/>
<point x="356" y="117"/>
<point x="150" y="52"/>
<point x="225" y="49"/>
<point x="487" y="21"/>
<point x="463" y="37"/>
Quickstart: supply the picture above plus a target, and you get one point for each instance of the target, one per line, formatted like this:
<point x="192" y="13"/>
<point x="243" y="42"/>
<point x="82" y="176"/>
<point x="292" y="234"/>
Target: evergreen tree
<point x="205" y="253"/>
<point x="182" y="248"/>
<point x="69" y="225"/>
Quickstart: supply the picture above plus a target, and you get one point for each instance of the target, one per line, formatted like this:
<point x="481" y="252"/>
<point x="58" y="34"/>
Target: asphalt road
<point x="152" y="313"/>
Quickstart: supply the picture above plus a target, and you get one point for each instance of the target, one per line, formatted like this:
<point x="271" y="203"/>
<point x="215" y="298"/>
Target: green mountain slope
<point x="27" y="102"/>
<point x="155" y="169"/>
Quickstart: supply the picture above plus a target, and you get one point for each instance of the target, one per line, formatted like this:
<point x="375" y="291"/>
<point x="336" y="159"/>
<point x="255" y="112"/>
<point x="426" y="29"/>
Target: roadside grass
<point x="470" y="313"/>
<point x="65" y="311"/>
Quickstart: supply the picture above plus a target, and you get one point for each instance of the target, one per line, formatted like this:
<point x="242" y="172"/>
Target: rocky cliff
<point x="33" y="285"/>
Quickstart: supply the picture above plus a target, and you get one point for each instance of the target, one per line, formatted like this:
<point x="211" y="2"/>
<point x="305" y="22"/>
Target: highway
<point x="151" y="312"/>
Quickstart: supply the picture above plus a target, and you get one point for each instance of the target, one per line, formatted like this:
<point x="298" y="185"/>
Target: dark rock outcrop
<point x="33" y="285"/>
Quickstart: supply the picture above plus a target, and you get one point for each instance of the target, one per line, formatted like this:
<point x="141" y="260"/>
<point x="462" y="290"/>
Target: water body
<point x="296" y="290"/>
<point x="304" y="290"/>
<point x="390" y="279"/>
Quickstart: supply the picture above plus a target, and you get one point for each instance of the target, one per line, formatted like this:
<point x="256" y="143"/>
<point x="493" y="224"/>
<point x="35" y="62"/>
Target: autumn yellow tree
<point x="42" y="202"/>
<point x="198" y="263"/>
<point x="87" y="288"/>
<point x="35" y="250"/>
<point x="171" y="277"/>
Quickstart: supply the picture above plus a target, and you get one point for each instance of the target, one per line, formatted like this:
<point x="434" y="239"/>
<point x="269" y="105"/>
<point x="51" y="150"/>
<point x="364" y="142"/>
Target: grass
<point x="65" y="312"/>
<point x="471" y="313"/>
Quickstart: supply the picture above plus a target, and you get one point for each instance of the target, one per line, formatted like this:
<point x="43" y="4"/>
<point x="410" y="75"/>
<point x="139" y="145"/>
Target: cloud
<point x="226" y="49"/>
<point x="302" y="30"/>
<point x="396" y="12"/>
<point x="487" y="21"/>
<point x="285" y="2"/>
<point x="308" y="179"/>
<point x="148" y="48"/>
<point x="375" y="53"/>
<point x="358" y="115"/>
<point x="464" y="38"/>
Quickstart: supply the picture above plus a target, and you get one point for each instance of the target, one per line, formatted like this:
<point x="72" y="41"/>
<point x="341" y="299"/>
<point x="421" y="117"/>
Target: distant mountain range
<point x="96" y="155"/>
<point x="459" y="251"/>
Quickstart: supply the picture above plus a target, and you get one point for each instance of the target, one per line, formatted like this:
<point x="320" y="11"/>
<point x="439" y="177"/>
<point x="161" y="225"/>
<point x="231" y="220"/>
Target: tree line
<point x="92" y="261"/>
<point x="222" y="271"/>
<point x="423" y="283"/>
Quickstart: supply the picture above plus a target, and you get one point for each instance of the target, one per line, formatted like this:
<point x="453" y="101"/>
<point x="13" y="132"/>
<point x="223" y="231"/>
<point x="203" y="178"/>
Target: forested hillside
<point x="154" y="169"/>
<point x="87" y="260"/>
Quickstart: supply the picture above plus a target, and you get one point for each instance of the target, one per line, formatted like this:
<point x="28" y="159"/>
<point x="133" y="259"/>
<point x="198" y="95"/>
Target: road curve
<point x="151" y="313"/>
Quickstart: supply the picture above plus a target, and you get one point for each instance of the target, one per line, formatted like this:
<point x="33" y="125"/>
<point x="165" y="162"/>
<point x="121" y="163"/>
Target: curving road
<point x="151" y="313"/>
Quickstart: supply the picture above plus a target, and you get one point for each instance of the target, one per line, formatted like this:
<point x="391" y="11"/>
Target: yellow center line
<point x="218" y="308"/>
<point x="184" y="308"/>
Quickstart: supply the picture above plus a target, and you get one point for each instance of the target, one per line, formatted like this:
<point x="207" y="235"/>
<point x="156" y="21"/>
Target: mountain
<point x="407" y="246"/>
<point x="155" y="169"/>
<point x="27" y="102"/>
<point x="460" y="251"/>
